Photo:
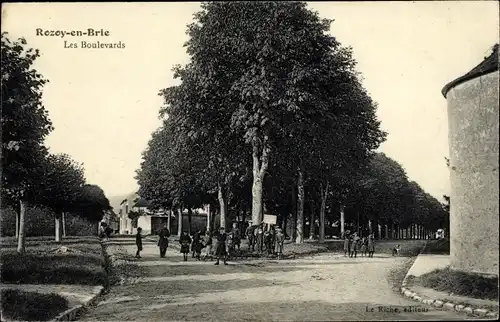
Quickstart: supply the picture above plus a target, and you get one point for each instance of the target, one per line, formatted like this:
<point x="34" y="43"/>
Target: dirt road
<point x="321" y="287"/>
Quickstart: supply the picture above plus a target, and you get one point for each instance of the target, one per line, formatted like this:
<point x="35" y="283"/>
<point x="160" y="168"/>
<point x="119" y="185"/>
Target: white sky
<point x="104" y="103"/>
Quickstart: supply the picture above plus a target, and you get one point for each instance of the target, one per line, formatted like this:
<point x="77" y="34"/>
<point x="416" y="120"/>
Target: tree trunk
<point x="17" y="223"/>
<point x="64" y="224"/>
<point x="222" y="204"/>
<point x="312" y="229"/>
<point x="208" y="217"/>
<point x="21" y="242"/>
<point x="169" y="219"/>
<point x="190" y="217"/>
<point x="324" y="195"/>
<point x="259" y="171"/>
<point x="179" y="223"/>
<point x="294" y="213"/>
<point x="300" y="209"/>
<point x="285" y="222"/>
<point x="58" y="227"/>
<point x="342" y="221"/>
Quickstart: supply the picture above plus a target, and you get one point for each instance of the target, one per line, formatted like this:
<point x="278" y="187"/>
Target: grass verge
<point x="438" y="247"/>
<point x="26" y="306"/>
<point x="460" y="283"/>
<point x="41" y="264"/>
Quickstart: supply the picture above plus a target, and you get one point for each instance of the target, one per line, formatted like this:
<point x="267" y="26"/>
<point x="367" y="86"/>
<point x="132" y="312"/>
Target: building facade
<point x="473" y="146"/>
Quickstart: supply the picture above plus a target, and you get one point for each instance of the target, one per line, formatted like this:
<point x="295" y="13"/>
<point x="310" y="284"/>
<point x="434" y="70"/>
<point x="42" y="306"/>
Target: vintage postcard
<point x="249" y="161"/>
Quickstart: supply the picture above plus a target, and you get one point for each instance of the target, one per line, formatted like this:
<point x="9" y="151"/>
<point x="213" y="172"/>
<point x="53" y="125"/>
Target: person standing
<point x="363" y="249"/>
<point x="138" y="242"/>
<point x="207" y="241"/>
<point x="354" y="245"/>
<point x="249" y="232"/>
<point x="236" y="235"/>
<point x="371" y="245"/>
<point x="163" y="236"/>
<point x="221" y="246"/>
<point x="280" y="240"/>
<point x="347" y="245"/>
<point x="185" y="241"/>
<point x="196" y="246"/>
<point x="259" y="238"/>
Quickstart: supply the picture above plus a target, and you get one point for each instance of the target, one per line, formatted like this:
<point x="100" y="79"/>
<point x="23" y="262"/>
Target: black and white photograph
<point x="250" y="161"/>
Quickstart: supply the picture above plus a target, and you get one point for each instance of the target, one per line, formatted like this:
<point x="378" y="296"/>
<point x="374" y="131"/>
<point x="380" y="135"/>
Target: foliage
<point x="25" y="122"/>
<point x="92" y="203"/>
<point x="62" y="183"/>
<point x="268" y="93"/>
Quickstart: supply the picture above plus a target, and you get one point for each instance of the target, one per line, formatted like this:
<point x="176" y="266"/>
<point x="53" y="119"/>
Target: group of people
<point x="354" y="244"/>
<point x="271" y="239"/>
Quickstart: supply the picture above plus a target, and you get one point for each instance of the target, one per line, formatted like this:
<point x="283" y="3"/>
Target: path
<point x="323" y="287"/>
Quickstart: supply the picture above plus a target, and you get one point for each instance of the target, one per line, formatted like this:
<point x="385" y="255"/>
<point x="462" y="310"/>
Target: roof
<point x="141" y="202"/>
<point x="488" y="65"/>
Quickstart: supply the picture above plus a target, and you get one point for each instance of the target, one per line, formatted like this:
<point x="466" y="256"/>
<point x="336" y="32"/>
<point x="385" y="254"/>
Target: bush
<point x="461" y="283"/>
<point x="31" y="306"/>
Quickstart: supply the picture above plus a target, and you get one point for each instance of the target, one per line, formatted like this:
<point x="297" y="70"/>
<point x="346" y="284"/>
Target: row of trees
<point x="270" y="114"/>
<point x="31" y="176"/>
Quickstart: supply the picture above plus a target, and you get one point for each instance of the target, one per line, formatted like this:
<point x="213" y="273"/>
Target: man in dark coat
<point x="221" y="246"/>
<point x="163" y="240"/>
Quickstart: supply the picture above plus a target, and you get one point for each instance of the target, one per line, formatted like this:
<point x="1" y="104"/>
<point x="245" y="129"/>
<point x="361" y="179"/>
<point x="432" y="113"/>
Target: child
<point x="371" y="245"/>
<point x="395" y="250"/>
<point x="208" y="245"/>
<point x="280" y="240"/>
<point x="364" y="246"/>
<point x="347" y="245"/>
<point x="185" y="240"/>
<point x="221" y="246"/>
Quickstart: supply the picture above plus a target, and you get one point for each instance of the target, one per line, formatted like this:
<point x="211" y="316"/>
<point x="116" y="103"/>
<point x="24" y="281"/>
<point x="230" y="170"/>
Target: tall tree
<point x="25" y="124"/>
<point x="62" y="182"/>
<point x="92" y="203"/>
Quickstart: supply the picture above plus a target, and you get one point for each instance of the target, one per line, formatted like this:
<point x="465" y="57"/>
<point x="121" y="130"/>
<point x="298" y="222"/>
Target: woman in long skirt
<point x="185" y="240"/>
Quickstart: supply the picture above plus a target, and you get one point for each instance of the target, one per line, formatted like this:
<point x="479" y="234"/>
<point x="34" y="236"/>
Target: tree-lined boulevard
<point x="268" y="117"/>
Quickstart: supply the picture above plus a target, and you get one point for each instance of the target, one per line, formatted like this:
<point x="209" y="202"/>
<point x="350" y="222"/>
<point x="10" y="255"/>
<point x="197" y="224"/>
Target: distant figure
<point x="108" y="231"/>
<point x="364" y="246"/>
<point x="163" y="236"/>
<point x="196" y="246"/>
<point x="371" y="245"/>
<point x="138" y="242"/>
<point x="249" y="232"/>
<point x="185" y="241"/>
<point x="102" y="229"/>
<point x="207" y="243"/>
<point x="396" y="250"/>
<point x="280" y="240"/>
<point x="221" y="246"/>
<point x="236" y="235"/>
<point x="347" y="245"/>
<point x="354" y="246"/>
<point x="259" y="238"/>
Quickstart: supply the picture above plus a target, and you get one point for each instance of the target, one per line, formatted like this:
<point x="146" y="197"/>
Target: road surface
<point x="321" y="287"/>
